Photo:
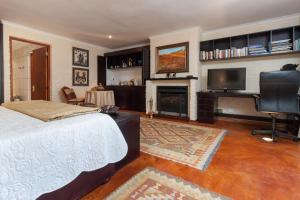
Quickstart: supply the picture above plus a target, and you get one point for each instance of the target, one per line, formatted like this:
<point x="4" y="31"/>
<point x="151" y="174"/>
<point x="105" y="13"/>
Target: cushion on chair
<point x="69" y="93"/>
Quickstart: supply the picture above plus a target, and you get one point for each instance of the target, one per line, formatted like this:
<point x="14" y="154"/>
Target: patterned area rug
<point x="153" y="184"/>
<point x="187" y="144"/>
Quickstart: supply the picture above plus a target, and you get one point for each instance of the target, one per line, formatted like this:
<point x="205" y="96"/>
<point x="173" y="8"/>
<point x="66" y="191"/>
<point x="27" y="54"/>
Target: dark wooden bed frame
<point x="129" y="124"/>
<point x="83" y="184"/>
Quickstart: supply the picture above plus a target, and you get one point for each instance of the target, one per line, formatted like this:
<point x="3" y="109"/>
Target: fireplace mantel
<point x="175" y="78"/>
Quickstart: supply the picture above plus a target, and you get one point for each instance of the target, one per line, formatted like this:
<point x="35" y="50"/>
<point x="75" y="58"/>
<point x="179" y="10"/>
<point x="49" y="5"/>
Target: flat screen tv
<point x="226" y="79"/>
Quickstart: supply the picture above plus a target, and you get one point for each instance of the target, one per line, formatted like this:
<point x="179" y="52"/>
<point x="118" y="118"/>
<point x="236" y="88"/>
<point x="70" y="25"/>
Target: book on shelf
<point x="297" y="45"/>
<point x="257" y="49"/>
<point x="281" y="46"/>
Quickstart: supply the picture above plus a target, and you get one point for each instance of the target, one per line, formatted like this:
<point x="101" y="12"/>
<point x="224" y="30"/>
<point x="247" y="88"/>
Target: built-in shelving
<point x="285" y="41"/>
<point x="125" y="59"/>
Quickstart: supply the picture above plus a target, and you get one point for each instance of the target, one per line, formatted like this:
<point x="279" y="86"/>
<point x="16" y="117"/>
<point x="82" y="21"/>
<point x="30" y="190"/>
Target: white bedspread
<point x="38" y="157"/>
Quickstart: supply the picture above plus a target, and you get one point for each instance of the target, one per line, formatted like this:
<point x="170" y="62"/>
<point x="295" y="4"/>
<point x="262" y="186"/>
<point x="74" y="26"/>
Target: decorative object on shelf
<point x="80" y="77"/>
<point x="174" y="75"/>
<point x="151" y="108"/>
<point x="131" y="82"/>
<point x="172" y="58"/>
<point x="168" y="75"/>
<point x="124" y="64"/>
<point x="130" y="62"/>
<point x="80" y="57"/>
<point x="109" y="109"/>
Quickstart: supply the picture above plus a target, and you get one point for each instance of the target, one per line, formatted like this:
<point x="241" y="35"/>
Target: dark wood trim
<point x="48" y="89"/>
<point x="1" y="65"/>
<point x="186" y="44"/>
<point x="176" y="78"/>
<point x="125" y="51"/>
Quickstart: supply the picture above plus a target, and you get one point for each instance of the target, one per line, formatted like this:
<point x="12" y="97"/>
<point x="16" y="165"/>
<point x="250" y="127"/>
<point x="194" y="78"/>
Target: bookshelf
<point x="284" y="41"/>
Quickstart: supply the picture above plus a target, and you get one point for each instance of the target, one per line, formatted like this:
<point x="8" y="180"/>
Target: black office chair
<point x="278" y="94"/>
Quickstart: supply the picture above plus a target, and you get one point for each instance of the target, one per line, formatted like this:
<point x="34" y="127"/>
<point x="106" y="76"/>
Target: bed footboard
<point x="83" y="184"/>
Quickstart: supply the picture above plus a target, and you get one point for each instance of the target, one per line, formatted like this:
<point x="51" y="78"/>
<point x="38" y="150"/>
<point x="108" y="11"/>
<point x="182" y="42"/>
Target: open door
<point x="39" y="74"/>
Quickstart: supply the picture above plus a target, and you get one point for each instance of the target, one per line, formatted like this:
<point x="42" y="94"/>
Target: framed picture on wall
<point x="80" y="57"/>
<point x="172" y="58"/>
<point x="80" y="77"/>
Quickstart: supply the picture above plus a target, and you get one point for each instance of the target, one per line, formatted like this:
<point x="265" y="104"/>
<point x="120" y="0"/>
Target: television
<point x="226" y="79"/>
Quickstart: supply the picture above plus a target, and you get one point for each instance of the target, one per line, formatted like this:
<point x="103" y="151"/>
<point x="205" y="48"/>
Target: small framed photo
<point x="80" y="57"/>
<point x="172" y="58"/>
<point x="80" y="77"/>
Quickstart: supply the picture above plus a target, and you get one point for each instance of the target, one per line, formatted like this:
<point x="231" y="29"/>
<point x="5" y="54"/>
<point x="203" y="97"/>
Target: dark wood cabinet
<point x="130" y="97"/>
<point x="101" y="70"/>
<point x="207" y="105"/>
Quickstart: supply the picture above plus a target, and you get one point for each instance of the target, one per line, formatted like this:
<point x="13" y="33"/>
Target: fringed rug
<point x="153" y="184"/>
<point x="187" y="144"/>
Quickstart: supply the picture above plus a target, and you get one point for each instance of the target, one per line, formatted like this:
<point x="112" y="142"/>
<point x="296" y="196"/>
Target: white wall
<point x="190" y="35"/>
<point x="61" y="58"/>
<point x="253" y="66"/>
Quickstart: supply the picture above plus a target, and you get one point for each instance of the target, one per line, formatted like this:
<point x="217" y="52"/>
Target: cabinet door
<point x="101" y="70"/>
<point x="138" y="98"/>
<point x="146" y="64"/>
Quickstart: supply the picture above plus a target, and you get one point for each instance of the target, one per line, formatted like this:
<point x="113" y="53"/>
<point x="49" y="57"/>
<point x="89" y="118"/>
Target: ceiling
<point x="133" y="21"/>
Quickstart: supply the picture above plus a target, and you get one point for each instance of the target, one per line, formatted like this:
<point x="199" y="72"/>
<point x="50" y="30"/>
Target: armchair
<point x="71" y="97"/>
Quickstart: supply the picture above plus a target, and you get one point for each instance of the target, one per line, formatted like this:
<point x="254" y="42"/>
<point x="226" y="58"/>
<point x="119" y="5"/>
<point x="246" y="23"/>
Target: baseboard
<point x="251" y="118"/>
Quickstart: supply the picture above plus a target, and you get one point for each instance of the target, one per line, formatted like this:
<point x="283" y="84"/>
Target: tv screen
<point x="226" y="79"/>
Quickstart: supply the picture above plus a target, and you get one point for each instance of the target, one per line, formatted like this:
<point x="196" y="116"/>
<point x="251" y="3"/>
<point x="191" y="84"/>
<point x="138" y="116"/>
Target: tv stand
<point x="207" y="103"/>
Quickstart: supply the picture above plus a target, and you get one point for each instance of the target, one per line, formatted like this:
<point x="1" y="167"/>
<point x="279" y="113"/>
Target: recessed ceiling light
<point x="110" y="36"/>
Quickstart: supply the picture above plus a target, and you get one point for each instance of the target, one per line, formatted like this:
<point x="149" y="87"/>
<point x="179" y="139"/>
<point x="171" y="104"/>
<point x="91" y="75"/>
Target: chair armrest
<point x="256" y="100"/>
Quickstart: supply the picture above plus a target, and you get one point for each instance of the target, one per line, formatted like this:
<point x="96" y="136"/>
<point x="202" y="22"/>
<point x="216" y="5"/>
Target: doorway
<point x="30" y="70"/>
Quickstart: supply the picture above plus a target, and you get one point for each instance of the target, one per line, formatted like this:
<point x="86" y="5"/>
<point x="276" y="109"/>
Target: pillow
<point x="70" y="94"/>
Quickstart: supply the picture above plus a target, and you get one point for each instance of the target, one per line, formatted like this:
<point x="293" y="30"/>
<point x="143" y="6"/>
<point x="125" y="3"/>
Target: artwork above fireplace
<point x="172" y="101"/>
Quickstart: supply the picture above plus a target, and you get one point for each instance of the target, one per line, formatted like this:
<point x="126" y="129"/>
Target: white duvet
<point x="38" y="157"/>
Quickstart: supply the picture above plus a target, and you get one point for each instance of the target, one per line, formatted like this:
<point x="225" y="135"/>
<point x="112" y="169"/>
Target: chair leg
<point x="274" y="129"/>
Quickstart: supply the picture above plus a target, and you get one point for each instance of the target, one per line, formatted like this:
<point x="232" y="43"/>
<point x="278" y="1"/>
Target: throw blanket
<point x="38" y="157"/>
<point x="47" y="110"/>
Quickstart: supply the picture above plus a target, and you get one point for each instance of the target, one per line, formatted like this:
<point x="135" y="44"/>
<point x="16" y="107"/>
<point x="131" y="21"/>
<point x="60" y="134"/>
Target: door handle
<point x="33" y="88"/>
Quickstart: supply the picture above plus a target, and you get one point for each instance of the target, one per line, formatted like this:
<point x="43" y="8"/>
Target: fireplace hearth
<point x="172" y="101"/>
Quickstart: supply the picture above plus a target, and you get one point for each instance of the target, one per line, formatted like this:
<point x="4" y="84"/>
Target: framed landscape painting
<point x="80" y="57"/>
<point x="80" y="77"/>
<point x="172" y="58"/>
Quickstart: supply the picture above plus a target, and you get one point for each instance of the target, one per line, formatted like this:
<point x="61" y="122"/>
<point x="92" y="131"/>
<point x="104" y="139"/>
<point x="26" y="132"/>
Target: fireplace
<point x="172" y="101"/>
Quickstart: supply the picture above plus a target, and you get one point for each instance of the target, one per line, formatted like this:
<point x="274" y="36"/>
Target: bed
<point x="51" y="160"/>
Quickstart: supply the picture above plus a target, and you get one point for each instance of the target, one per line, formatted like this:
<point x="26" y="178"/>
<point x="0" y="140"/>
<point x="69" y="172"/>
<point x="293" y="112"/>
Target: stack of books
<point x="297" y="45"/>
<point x="235" y="52"/>
<point x="257" y="50"/>
<point x="281" y="46"/>
<point x="206" y="55"/>
<point x="222" y="54"/>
